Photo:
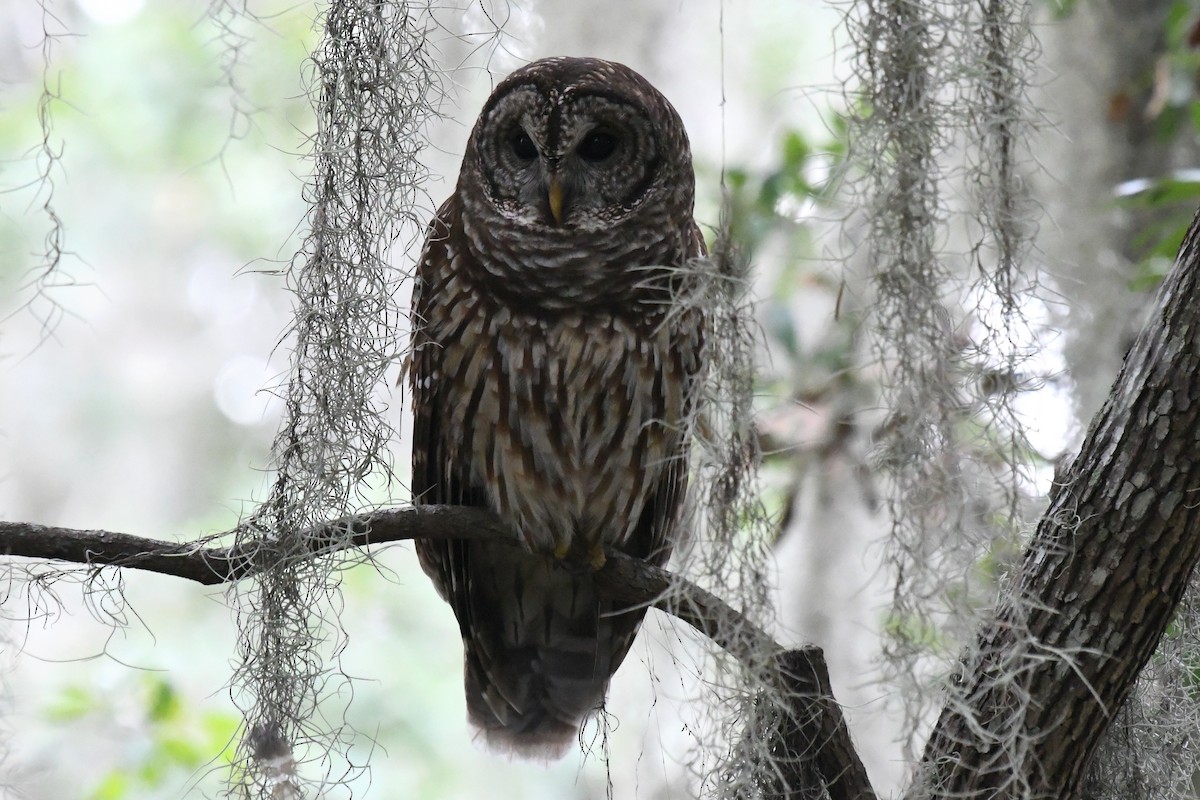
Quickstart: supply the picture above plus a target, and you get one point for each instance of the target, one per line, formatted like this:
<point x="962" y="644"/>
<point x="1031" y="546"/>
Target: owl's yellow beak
<point x="555" y="194"/>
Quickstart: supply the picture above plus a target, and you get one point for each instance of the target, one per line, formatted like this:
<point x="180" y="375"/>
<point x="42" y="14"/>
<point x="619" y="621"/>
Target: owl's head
<point x="579" y="144"/>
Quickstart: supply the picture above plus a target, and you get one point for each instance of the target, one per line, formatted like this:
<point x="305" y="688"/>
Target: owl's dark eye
<point x="523" y="147"/>
<point x="597" y="146"/>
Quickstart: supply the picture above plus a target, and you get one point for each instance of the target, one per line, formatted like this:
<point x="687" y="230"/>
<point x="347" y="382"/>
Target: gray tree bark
<point x="1099" y="583"/>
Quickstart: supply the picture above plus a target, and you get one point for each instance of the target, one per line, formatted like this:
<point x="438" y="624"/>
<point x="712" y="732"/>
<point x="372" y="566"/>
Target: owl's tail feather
<point x="539" y="714"/>
<point x="540" y="655"/>
<point x="536" y="733"/>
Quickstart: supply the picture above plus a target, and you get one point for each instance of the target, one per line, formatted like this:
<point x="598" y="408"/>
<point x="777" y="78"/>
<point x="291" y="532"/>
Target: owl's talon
<point x="562" y="549"/>
<point x="596" y="556"/>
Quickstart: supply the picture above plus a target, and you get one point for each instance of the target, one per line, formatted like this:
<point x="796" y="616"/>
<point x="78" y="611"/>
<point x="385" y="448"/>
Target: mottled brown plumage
<point x="554" y="375"/>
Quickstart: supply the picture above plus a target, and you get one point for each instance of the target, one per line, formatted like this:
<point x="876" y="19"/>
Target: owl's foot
<point x="562" y="549"/>
<point x="571" y="555"/>
<point x="596" y="556"/>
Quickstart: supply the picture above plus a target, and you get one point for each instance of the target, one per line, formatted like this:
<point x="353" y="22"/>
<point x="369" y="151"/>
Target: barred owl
<point x="554" y="374"/>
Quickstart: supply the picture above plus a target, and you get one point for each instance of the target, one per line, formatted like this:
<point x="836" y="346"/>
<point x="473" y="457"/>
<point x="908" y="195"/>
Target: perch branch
<point x="815" y="725"/>
<point x="212" y="565"/>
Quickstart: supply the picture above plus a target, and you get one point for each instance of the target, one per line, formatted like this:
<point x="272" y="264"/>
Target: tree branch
<point x="815" y="726"/>
<point x="195" y="561"/>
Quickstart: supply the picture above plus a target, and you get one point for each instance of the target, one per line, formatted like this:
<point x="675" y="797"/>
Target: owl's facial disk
<point x="580" y="161"/>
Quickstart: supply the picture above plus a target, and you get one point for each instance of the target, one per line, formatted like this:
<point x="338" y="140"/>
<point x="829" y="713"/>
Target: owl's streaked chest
<point x="567" y="421"/>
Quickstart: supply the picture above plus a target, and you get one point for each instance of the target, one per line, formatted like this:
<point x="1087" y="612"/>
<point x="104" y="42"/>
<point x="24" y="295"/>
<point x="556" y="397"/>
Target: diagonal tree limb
<point x="814" y="726"/>
<point x="1099" y="583"/>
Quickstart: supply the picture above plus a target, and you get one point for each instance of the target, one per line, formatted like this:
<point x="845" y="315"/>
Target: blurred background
<point x="131" y="376"/>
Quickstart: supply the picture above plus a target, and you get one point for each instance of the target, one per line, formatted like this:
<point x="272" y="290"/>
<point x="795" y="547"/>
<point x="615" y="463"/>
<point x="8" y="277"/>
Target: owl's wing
<point x="655" y="534"/>
<point x="438" y="477"/>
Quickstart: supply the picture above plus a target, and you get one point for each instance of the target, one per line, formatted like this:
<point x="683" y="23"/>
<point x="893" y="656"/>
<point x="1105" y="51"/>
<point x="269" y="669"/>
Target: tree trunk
<point x="1106" y="569"/>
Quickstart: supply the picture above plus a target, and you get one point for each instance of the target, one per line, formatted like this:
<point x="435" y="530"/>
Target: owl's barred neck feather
<point x="560" y="270"/>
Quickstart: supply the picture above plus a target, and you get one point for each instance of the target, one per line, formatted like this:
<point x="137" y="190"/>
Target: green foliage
<point x="782" y="202"/>
<point x="919" y="631"/>
<point x="165" y="741"/>
<point x="1169" y="99"/>
<point x="776" y="215"/>
<point x="1061" y="8"/>
<point x="1168" y="201"/>
<point x="807" y="173"/>
<point x="147" y="115"/>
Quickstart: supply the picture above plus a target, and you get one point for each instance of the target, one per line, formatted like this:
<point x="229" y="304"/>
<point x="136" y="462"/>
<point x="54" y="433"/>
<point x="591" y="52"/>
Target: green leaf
<point x="795" y="151"/>
<point x="220" y="731"/>
<point x="1150" y="274"/>
<point x="1194" y="110"/>
<point x="72" y="703"/>
<point x="114" y="786"/>
<point x="163" y="704"/>
<point x="1061" y="9"/>
<point x="1178" y="18"/>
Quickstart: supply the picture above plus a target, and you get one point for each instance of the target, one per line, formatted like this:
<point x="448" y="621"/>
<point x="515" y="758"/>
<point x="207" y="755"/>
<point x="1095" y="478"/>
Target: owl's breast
<point x="568" y="423"/>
